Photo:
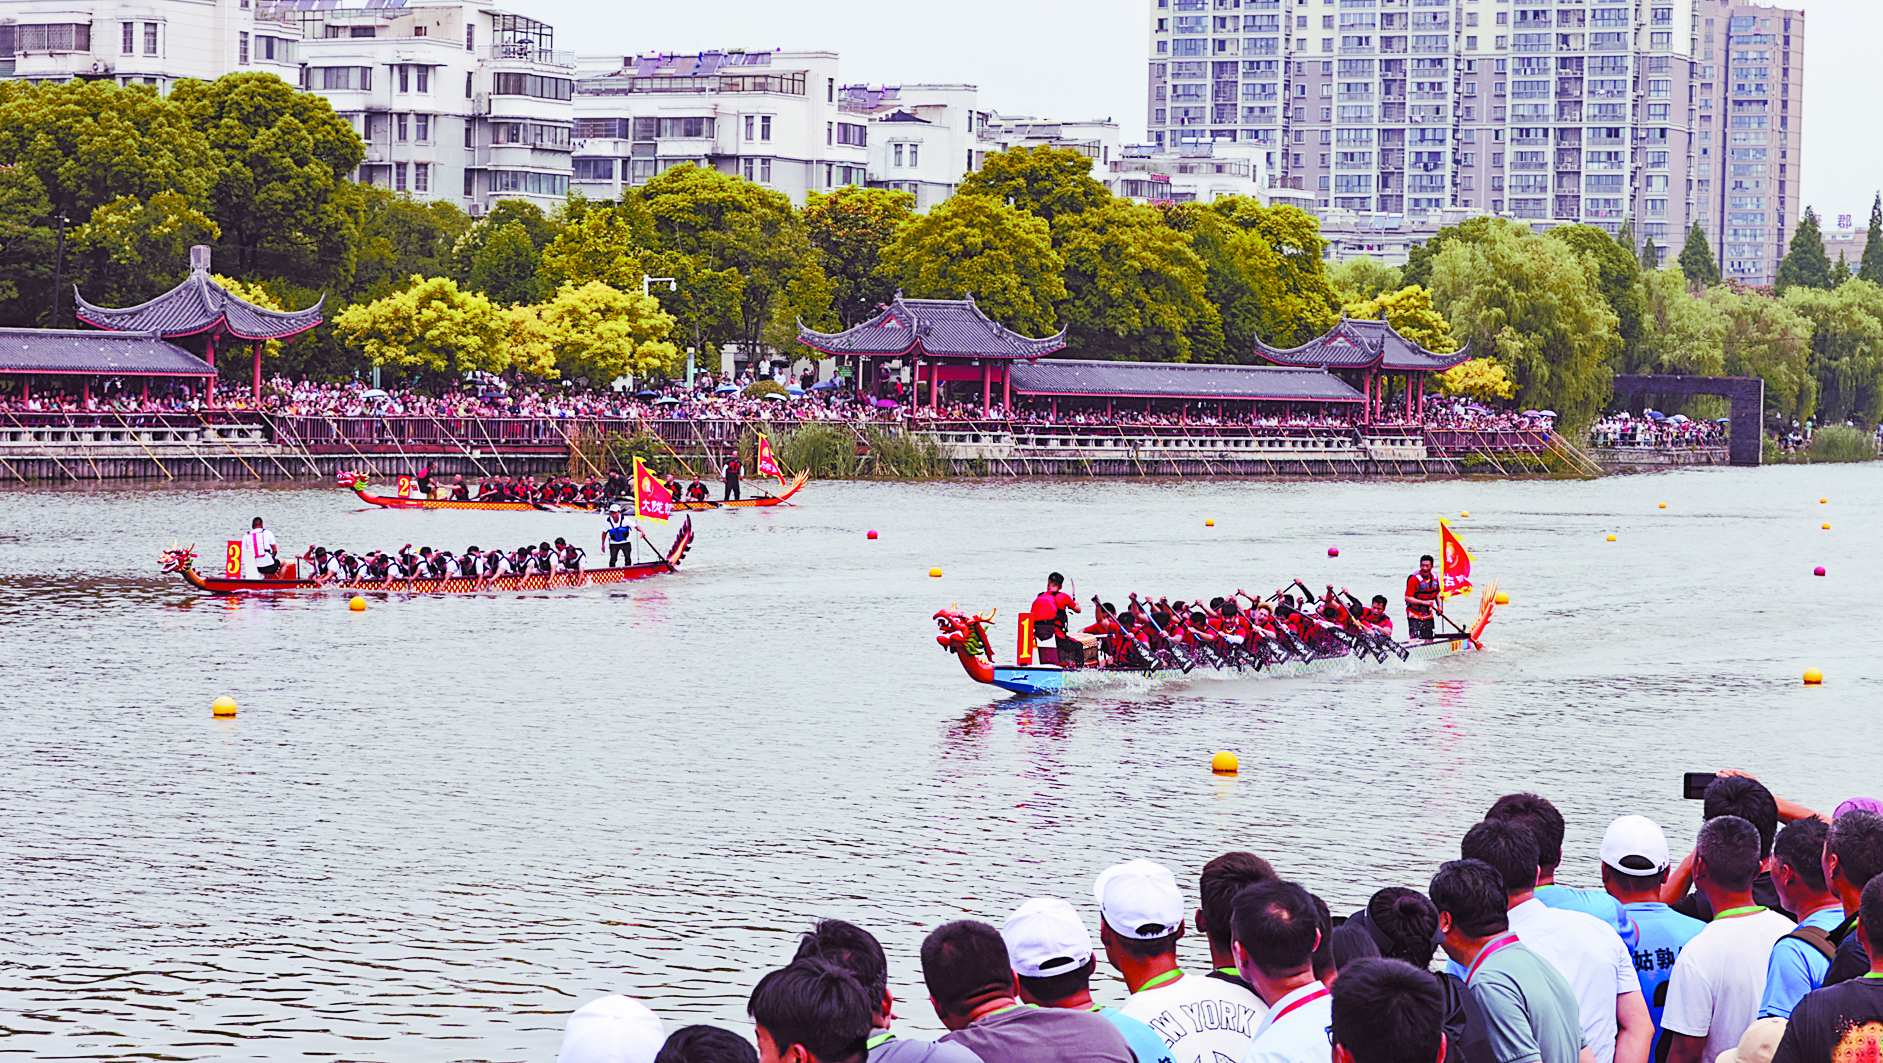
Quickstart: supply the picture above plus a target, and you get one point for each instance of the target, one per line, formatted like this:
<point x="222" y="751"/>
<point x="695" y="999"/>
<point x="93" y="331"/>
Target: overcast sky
<point x="1060" y="60"/>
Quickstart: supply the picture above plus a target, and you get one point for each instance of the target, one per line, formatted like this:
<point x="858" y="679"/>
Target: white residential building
<point x="923" y="138"/>
<point x="148" y="42"/>
<point x="455" y="99"/>
<point x="771" y="117"/>
<point x="1195" y="173"/>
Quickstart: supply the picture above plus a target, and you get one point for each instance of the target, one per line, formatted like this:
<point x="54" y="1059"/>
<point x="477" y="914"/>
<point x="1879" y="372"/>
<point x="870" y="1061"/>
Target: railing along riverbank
<point x="237" y="445"/>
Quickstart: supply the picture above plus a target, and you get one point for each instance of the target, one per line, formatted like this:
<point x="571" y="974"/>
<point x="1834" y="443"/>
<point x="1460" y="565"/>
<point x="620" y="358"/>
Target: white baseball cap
<point x="1634" y="845"/>
<point x="1139" y="899"/>
<point x="611" y="1029"/>
<point x="1045" y="937"/>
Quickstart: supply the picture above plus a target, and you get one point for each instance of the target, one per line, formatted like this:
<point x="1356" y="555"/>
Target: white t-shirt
<point x="1719" y="979"/>
<point x="1591" y="958"/>
<point x="1300" y="1036"/>
<point x="1203" y="1020"/>
<point x="260" y="544"/>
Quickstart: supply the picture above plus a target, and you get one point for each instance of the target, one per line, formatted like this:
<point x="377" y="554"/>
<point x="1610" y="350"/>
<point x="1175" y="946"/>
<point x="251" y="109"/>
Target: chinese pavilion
<point x="943" y="341"/>
<point x="1369" y="354"/>
<point x="201" y="307"/>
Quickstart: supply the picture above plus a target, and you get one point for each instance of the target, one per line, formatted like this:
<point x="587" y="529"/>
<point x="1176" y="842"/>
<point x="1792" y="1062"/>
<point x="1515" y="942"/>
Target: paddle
<point x="1381" y="639"/>
<point x="1275" y="639"/>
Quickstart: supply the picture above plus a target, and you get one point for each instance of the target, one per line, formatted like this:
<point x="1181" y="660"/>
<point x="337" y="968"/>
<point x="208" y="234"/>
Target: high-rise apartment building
<point x="1596" y="111"/>
<point x="150" y="42"/>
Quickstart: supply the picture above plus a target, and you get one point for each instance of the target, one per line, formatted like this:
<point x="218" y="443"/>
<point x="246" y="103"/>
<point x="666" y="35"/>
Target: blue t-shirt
<point x="1595" y="902"/>
<point x="1663" y="932"/>
<point x="1796" y="968"/>
<point x="1146" y="1044"/>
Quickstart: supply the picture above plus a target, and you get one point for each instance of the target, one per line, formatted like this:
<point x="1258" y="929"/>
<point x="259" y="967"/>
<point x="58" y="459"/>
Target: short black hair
<point x="1221" y="880"/>
<point x="1407" y="919"/>
<point x="1388" y="1011"/>
<point x="1051" y="989"/>
<point x="815" y="1004"/>
<point x="1651" y="880"/>
<point x="1350" y="941"/>
<point x="1871" y="904"/>
<point x="1507" y="845"/>
<point x="1056" y="578"/>
<point x="1324" y="948"/>
<point x="1425" y="557"/>
<point x="1275" y="924"/>
<point x="1473" y="892"/>
<point x="1541" y="817"/>
<point x="852" y="948"/>
<point x="1856" y="839"/>
<point x="1737" y="795"/>
<point x="706" y="1044"/>
<point x="1147" y="948"/>
<point x="1729" y="847"/>
<point x="1800" y="846"/>
<point x="964" y="965"/>
<point x="1379" y="599"/>
<point x="256" y="523"/>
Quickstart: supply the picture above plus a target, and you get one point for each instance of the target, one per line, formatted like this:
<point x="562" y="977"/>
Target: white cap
<point x="1045" y="937"/>
<point x="1634" y="845"/>
<point x="612" y="1029"/>
<point x="1758" y="1044"/>
<point x="1139" y="899"/>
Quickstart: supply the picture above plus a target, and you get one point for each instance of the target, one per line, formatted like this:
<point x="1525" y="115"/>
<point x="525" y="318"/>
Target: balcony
<point x="523" y="53"/>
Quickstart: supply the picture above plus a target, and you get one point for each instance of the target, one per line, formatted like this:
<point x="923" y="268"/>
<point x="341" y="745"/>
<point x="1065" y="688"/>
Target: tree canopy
<point x="1805" y="264"/>
<point x="978" y="245"/>
<point x="1045" y="182"/>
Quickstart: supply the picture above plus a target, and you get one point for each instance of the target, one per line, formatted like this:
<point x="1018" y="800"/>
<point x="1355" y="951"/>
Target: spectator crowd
<point x="1654" y="430"/>
<point x="1754" y="948"/>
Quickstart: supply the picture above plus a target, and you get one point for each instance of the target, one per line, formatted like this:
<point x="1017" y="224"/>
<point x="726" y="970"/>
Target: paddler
<point x="262" y="553"/>
<point x="1049" y="616"/>
<point x="1376" y="617"/>
<point x="1422" y="600"/>
<point x="619" y="537"/>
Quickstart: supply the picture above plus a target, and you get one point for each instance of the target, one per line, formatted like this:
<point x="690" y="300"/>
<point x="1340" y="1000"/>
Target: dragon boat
<point x="181" y="560"/>
<point x="358" y="485"/>
<point x="966" y="637"/>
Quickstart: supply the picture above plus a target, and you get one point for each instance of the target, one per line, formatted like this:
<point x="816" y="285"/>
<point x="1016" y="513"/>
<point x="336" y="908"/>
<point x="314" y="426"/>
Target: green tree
<point x="1135" y="288"/>
<point x="1767" y="339"/>
<point x="1650" y="254"/>
<point x="1684" y="332"/>
<point x="1805" y="264"/>
<point x="1044" y="182"/>
<point x="27" y="246"/>
<point x="506" y="267"/>
<point x="1418" y="268"/>
<point x="1870" y="267"/>
<point x="1616" y="271"/>
<point x="277" y="187"/>
<point x="1696" y="261"/>
<point x="707" y="304"/>
<point x="433" y="328"/>
<point x="400" y="236"/>
<point x="978" y="245"/>
<point x="1363" y="278"/>
<point x="1846" y="348"/>
<point x="135" y="249"/>
<point x="850" y="227"/>
<point x="1282" y="267"/>
<point x="1530" y="303"/>
<point x="604" y="243"/>
<point x="536" y="224"/>
<point x="591" y="332"/>
<point x="1840" y="272"/>
<point x="1409" y="311"/>
<point x="1478" y="378"/>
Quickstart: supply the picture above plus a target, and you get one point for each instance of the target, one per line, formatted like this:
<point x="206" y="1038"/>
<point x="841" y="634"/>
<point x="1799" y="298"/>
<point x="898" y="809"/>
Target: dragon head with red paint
<point x="177" y="559"/>
<point x="350" y="479"/>
<point x="960" y="631"/>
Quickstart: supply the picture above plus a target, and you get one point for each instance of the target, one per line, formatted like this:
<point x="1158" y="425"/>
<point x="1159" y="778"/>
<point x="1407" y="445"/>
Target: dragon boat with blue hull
<point x="966" y="637"/>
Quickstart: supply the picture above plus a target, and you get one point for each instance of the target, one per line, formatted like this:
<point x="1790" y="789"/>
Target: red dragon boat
<point x="358" y="485"/>
<point x="182" y="562"/>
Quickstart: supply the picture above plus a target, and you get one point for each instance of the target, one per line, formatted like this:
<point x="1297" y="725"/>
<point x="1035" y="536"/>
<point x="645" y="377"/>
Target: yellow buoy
<point x="358" y="604"/>
<point x="934" y="572"/>
<point x="1826" y="527"/>
<point x="1224" y="763"/>
<point x="1813" y="677"/>
<point x="223" y="706"/>
<point x="1465" y="514"/>
<point x="1822" y="501"/>
<point x="1663" y="505"/>
<point x="1502" y="598"/>
<point x="1209" y="524"/>
<point x="1611" y="538"/>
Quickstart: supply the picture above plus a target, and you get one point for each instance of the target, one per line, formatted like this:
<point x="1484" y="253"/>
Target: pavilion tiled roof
<point x="1172" y="380"/>
<point x="201" y="305"/>
<point x="88" y="353"/>
<point x="940" y="327"/>
<point x="1357" y="343"/>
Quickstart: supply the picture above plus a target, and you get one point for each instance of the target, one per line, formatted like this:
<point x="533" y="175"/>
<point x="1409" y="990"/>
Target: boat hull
<point x="1047" y="679"/>
<point x="395" y="502"/>
<point x="451" y="585"/>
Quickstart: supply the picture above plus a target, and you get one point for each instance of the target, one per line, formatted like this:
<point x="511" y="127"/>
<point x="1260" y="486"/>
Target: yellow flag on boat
<point x="767" y="462"/>
<point x="1455" y="569"/>
<point x="651" y="498"/>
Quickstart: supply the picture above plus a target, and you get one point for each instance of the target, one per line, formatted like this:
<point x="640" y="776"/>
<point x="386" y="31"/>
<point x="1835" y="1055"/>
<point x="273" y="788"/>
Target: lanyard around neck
<point x="1749" y="909"/>
<point x="1168" y="976"/>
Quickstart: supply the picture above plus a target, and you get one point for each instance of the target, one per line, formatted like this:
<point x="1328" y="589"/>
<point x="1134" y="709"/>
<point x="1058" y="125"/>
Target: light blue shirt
<point x="1796" y="968"/>
<point x="1595" y="902"/>
<point x="1146" y="1044"/>
<point x="1662" y="933"/>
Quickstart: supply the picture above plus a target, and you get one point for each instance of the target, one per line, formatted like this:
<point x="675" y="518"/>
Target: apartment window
<point x="759" y="170"/>
<point x="417" y="31"/>
<point x="363" y="31"/>
<point x="422" y="124"/>
<point x="470" y="45"/>
<point x="915" y="155"/>
<point x="421" y="177"/>
<point x="150" y="38"/>
<point x="896" y="150"/>
<point x="398" y="176"/>
<point x="338" y="78"/>
<point x="530" y="182"/>
<point x="830" y="137"/>
<point x="542" y="88"/>
<point x="400" y="127"/>
<point x="241" y="49"/>
<point x="764" y="127"/>
<point x="130" y="38"/>
<point x="830" y="91"/>
<point x="470" y="185"/>
<point x="424" y="77"/>
<point x="467" y="84"/>
<point x="751" y="127"/>
<point x="405" y="78"/>
<point x="683" y="127"/>
<point x="852" y="134"/>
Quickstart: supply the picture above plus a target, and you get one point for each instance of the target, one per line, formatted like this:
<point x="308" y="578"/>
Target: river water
<point x="439" y="825"/>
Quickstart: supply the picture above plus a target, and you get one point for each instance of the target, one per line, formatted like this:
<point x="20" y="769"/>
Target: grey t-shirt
<point x="1023" y="1034"/>
<point x="893" y="1049"/>
<point x="1529" y="1009"/>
